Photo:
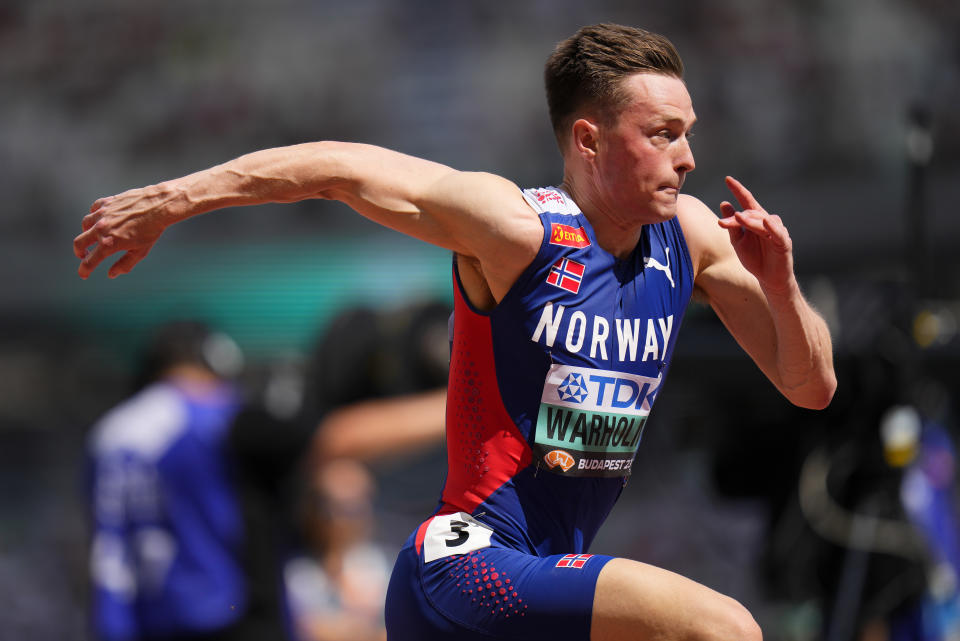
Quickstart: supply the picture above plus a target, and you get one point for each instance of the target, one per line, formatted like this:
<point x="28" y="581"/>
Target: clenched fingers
<point x="84" y="241"/>
<point x="748" y="219"/>
<point x="88" y="235"/>
<point x="729" y="221"/>
<point x="93" y="258"/>
<point x="100" y="202"/>
<point x="759" y="223"/>
<point x="127" y="262"/>
<point x="777" y="231"/>
<point x="91" y="219"/>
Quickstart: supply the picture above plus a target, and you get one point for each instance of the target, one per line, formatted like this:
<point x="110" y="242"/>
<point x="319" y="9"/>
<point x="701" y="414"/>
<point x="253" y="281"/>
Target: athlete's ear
<point x="586" y="136"/>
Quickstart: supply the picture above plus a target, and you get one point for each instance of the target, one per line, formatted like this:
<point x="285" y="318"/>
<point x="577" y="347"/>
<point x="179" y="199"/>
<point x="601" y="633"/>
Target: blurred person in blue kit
<point x="927" y="449"/>
<point x="193" y="488"/>
<point x="167" y="525"/>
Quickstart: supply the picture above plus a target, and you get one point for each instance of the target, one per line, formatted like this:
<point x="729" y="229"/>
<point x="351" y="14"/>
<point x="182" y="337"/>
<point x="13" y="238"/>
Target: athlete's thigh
<point x="513" y="595"/>
<point x="492" y="592"/>
<point x="637" y="601"/>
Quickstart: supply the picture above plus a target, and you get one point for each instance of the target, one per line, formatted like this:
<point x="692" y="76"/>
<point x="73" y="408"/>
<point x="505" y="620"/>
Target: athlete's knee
<point x="720" y="618"/>
<point x="638" y="601"/>
<point x="733" y="622"/>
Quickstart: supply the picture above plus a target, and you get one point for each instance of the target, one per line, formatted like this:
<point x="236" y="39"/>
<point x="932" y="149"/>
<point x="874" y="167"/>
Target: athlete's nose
<point x="684" y="161"/>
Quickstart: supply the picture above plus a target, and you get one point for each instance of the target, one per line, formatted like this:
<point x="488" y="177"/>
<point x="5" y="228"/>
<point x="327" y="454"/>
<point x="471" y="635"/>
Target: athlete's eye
<point x="665" y="136"/>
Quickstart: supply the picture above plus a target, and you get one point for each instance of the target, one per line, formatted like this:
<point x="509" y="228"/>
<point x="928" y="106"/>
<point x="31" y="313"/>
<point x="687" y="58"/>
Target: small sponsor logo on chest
<point x="568" y="236"/>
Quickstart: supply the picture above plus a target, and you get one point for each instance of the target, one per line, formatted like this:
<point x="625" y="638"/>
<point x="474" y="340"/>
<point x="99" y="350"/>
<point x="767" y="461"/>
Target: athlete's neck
<point x="611" y="237"/>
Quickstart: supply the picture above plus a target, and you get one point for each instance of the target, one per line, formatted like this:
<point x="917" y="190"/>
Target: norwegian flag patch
<point x="566" y="274"/>
<point x="574" y="561"/>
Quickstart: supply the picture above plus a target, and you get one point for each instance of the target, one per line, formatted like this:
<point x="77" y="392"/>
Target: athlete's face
<point x="644" y="154"/>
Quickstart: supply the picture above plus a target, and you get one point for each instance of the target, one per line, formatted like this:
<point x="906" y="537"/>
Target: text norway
<point x="602" y="431"/>
<point x="628" y="334"/>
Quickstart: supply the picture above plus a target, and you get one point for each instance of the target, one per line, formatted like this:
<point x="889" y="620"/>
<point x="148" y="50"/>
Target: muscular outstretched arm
<point x="746" y="275"/>
<point x="474" y="214"/>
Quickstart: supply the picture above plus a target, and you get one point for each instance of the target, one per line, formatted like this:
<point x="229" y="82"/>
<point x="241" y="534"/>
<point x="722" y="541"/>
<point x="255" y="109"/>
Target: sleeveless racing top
<point x="549" y="391"/>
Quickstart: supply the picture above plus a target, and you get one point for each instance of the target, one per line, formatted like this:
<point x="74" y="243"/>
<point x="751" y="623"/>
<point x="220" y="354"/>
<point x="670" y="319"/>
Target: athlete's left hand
<point x="760" y="239"/>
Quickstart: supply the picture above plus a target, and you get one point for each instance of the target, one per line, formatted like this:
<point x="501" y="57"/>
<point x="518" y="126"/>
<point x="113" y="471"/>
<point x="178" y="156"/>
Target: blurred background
<point x="841" y="116"/>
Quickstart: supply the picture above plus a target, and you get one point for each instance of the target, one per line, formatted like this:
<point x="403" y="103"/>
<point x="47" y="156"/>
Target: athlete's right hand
<point x="130" y="222"/>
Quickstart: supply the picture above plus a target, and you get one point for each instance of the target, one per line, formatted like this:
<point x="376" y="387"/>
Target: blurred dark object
<point x="919" y="151"/>
<point x="366" y="353"/>
<point x="188" y="342"/>
<point x="839" y="533"/>
<point x="363" y="354"/>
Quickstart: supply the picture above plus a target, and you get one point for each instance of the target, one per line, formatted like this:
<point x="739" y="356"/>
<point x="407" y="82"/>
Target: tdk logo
<point x="600" y="390"/>
<point x="620" y="393"/>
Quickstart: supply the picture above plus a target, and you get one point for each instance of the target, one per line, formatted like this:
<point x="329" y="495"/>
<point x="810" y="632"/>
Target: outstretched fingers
<point x="742" y="194"/>
<point x="753" y="217"/>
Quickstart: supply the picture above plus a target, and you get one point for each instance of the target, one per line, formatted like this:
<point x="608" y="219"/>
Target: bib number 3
<point x="450" y="534"/>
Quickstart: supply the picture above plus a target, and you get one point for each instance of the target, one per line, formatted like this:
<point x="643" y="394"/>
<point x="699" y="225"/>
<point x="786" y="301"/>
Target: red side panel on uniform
<point x="484" y="447"/>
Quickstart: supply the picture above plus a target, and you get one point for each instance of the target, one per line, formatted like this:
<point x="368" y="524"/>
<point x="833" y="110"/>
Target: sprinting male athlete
<point x="568" y="301"/>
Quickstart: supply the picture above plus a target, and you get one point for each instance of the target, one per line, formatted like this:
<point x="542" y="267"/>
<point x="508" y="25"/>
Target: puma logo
<point x="653" y="262"/>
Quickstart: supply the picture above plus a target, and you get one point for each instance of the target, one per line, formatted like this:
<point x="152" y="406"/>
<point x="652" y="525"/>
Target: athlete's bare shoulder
<point x="703" y="236"/>
<point x="500" y="230"/>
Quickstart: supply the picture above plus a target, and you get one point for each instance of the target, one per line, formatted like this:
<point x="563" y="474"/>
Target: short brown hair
<point x="586" y="69"/>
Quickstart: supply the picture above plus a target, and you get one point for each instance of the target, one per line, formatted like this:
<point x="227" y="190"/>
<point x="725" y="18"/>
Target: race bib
<point x="590" y="420"/>
<point x="450" y="534"/>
